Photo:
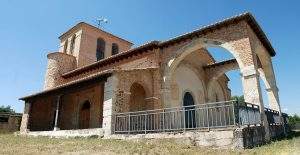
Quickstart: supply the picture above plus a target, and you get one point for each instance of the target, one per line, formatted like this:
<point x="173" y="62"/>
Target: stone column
<point x="252" y="94"/>
<point x="166" y="91"/>
<point x="271" y="87"/>
<point x="110" y="87"/>
<point x="24" y="128"/>
<point x="56" y="114"/>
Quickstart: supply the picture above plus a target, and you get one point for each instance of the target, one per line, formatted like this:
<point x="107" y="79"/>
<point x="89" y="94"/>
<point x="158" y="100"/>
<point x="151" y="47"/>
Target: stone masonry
<point x="159" y="72"/>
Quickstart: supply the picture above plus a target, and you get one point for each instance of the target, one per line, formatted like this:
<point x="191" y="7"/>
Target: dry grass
<point x="11" y="144"/>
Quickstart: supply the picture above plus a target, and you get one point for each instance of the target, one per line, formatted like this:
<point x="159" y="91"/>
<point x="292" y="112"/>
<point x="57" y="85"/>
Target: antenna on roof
<point x="100" y="21"/>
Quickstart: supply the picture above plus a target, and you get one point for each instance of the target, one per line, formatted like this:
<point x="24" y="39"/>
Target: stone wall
<point x="141" y="61"/>
<point x="42" y="112"/>
<point x="249" y="137"/>
<point x="13" y="124"/>
<point x="144" y="77"/>
<point x="71" y="104"/>
<point x="212" y="138"/>
<point x="58" y="64"/>
<point x="276" y="131"/>
<point x="97" y="132"/>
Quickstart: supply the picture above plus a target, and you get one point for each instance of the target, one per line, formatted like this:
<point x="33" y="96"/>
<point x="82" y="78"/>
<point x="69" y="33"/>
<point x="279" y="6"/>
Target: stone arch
<point x="200" y="43"/>
<point x="186" y="78"/>
<point x="239" y="46"/>
<point x="179" y="55"/>
<point x="137" y="100"/>
<point x="215" y="92"/>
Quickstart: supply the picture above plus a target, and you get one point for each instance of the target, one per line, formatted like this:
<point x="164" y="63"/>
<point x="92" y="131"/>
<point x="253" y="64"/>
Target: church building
<point x="100" y="83"/>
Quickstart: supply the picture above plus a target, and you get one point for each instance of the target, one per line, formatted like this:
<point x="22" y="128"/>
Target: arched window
<point x="65" y="46"/>
<point x="114" y="49"/>
<point x="100" y="49"/>
<point x="72" y="45"/>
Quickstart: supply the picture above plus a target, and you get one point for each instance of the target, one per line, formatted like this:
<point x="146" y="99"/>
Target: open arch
<point x="246" y="68"/>
<point x="197" y="44"/>
<point x="84" y="115"/>
<point x="137" y="101"/>
<point x="187" y="77"/>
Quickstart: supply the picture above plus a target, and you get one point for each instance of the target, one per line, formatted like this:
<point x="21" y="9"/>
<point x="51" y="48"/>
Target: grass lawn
<point x="11" y="144"/>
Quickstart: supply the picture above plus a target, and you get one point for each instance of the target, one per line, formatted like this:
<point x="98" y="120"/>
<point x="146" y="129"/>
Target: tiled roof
<point x="71" y="83"/>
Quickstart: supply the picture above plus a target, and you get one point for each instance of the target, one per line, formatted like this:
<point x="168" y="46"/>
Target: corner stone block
<point x="109" y="104"/>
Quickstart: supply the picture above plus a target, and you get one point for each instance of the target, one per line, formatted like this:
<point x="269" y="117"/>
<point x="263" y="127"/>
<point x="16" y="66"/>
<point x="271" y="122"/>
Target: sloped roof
<point x="157" y="44"/>
<point x="80" y="24"/>
<point x="161" y="44"/>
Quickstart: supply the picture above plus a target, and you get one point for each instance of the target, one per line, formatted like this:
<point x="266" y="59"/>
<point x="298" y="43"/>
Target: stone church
<point x="99" y="83"/>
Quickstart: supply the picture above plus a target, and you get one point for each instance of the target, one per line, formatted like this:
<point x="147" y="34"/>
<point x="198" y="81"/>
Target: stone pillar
<point x="110" y="88"/>
<point x="166" y="92"/>
<point x="24" y="128"/>
<point x="56" y="114"/>
<point x="252" y="94"/>
<point x="271" y="87"/>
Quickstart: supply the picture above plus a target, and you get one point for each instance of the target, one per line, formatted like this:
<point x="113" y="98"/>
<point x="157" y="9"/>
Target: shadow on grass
<point x="293" y="134"/>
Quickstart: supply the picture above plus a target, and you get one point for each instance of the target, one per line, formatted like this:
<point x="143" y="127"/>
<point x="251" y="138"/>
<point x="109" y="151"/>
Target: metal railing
<point x="248" y="114"/>
<point x="205" y="116"/>
<point x="273" y="117"/>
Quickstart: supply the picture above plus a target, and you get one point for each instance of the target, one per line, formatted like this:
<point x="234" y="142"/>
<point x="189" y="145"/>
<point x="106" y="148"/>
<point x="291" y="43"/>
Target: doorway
<point x="84" y="115"/>
<point x="189" y="108"/>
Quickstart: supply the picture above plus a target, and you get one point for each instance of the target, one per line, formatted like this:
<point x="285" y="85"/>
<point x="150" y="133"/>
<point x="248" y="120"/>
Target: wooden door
<point x="84" y="118"/>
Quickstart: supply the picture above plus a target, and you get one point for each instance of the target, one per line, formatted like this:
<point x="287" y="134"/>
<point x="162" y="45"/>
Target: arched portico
<point x="241" y="50"/>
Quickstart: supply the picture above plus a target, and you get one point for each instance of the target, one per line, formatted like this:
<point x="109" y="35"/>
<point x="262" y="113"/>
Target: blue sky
<point x="29" y="30"/>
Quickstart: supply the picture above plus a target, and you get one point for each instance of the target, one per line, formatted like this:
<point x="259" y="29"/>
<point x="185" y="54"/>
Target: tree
<point x="293" y="120"/>
<point x="7" y="109"/>
<point x="240" y="99"/>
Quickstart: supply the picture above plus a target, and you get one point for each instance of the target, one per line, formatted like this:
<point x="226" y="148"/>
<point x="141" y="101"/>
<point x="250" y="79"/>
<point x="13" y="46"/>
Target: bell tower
<point x="89" y="44"/>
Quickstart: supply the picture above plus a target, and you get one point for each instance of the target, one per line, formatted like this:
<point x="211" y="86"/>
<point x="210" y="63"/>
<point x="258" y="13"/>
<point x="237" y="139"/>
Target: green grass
<point x="11" y="144"/>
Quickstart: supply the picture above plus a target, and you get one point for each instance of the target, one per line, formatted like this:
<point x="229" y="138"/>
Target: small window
<point x="100" y="49"/>
<point x="72" y="46"/>
<point x="114" y="49"/>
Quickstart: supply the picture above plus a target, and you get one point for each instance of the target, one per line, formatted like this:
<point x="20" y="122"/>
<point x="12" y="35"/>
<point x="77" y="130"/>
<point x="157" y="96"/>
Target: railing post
<point x="129" y="123"/>
<point x="164" y="120"/>
<point x="247" y="114"/>
<point x="207" y="116"/>
<point x="145" y="123"/>
<point x="235" y="109"/>
<point x="116" y="124"/>
<point x="184" y="123"/>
